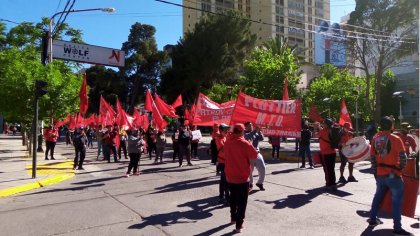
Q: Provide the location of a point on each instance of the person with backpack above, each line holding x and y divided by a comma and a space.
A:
328, 153
79, 142
184, 142
346, 136
388, 159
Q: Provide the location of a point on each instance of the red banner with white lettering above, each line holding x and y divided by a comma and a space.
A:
275, 117
208, 112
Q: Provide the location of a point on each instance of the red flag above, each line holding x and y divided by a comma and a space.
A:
83, 103
178, 102
187, 114
123, 119
106, 112
207, 112
344, 114
148, 102
314, 114
140, 120
164, 108
285, 90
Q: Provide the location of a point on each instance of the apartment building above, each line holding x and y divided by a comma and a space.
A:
292, 19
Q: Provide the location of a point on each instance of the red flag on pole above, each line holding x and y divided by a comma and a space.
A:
148, 102
344, 114
164, 108
106, 112
83, 103
178, 102
314, 114
285, 90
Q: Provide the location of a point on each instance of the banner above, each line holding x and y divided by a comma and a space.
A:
208, 112
275, 117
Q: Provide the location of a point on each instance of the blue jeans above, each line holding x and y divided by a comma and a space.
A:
396, 186
305, 149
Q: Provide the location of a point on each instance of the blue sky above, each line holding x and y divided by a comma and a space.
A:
111, 30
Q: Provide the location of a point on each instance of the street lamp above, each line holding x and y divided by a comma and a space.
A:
328, 101
50, 36
399, 95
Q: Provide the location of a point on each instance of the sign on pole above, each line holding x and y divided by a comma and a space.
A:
87, 53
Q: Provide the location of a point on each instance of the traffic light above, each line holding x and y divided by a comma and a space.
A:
40, 88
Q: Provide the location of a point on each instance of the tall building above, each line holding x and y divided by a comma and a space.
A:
292, 19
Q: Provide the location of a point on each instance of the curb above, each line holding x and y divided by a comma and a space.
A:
37, 184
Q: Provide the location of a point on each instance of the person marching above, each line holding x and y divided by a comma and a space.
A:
255, 136
99, 139
122, 135
328, 154
346, 136
184, 140
109, 140
135, 148
50, 136
151, 140
194, 145
79, 142
220, 140
90, 133
305, 145
239, 152
408, 140
175, 145
388, 159
160, 145
274, 140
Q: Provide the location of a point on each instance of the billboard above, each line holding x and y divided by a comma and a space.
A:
87, 53
330, 44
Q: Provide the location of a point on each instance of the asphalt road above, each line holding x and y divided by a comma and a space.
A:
168, 200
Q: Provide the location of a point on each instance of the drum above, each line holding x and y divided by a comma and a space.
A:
356, 149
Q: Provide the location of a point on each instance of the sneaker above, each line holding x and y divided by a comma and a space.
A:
260, 186
302, 166
127, 175
311, 166
239, 230
351, 179
180, 165
52, 158
342, 180
80, 168
401, 232
190, 164
136, 173
373, 223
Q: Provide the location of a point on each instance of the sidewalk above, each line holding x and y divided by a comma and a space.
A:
16, 168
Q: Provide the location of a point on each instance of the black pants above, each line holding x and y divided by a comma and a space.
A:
276, 148
150, 148
175, 146
238, 202
123, 147
328, 163
184, 150
213, 151
223, 185
79, 157
50, 148
134, 162
194, 148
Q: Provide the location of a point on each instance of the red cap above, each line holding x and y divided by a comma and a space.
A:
186, 122
239, 127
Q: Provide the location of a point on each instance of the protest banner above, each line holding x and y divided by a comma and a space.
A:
208, 112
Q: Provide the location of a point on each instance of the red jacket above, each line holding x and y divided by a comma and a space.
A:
238, 152
51, 135
379, 150
109, 137
220, 143
324, 142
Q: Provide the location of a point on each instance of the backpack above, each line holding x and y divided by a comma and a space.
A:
336, 132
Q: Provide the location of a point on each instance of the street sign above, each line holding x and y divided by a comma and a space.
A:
88, 53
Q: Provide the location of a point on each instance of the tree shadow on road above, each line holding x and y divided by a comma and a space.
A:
99, 180
185, 185
65, 189
200, 209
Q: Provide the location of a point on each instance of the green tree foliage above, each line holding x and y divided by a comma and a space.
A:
266, 70
337, 85
395, 24
212, 53
21, 66
388, 88
106, 83
143, 61
221, 93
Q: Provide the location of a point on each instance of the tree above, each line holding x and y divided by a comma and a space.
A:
212, 53
336, 85
391, 38
143, 61
267, 68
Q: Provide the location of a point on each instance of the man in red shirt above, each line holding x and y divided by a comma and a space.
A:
238, 153
220, 139
347, 135
408, 140
328, 154
388, 159
109, 140
50, 136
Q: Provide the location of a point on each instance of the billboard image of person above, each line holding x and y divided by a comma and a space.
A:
329, 44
